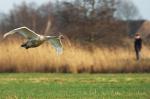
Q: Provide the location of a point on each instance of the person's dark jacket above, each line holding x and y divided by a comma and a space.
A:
138, 44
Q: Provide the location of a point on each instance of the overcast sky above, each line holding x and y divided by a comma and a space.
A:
142, 5
144, 8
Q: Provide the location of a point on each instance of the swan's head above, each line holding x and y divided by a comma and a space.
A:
61, 37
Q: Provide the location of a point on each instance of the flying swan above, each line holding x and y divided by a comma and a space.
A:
35, 40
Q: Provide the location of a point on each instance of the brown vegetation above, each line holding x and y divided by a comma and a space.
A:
99, 40
83, 21
75, 59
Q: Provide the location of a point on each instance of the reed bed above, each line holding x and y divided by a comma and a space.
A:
75, 59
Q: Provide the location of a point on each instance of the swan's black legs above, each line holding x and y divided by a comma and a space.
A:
24, 45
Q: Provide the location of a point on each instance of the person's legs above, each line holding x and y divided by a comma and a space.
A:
137, 53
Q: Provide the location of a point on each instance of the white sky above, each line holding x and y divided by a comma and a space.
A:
142, 5
144, 8
6, 5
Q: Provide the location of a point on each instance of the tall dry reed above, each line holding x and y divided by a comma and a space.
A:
75, 59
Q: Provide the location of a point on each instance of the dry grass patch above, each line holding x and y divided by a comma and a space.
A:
75, 59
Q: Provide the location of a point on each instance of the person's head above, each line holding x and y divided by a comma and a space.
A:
137, 34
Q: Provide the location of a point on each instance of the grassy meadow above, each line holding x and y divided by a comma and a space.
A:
74, 86
53, 83
75, 59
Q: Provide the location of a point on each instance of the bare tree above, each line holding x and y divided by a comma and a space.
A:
80, 20
127, 11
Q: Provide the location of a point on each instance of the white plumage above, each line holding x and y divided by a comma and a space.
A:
35, 40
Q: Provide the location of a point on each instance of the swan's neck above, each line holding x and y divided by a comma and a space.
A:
50, 37
42, 38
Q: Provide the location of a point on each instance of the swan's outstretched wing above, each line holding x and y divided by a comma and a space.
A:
24, 31
56, 43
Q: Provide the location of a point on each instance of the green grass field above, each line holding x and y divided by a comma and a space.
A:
74, 86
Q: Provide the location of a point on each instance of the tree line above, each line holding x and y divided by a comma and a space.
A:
80, 20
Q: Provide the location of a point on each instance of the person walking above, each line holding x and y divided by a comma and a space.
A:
138, 45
